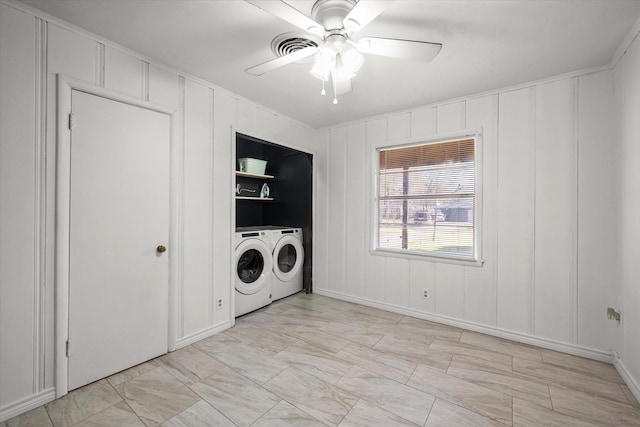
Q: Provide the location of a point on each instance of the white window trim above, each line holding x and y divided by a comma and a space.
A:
478, 172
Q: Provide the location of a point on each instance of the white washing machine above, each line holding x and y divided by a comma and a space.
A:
254, 269
288, 261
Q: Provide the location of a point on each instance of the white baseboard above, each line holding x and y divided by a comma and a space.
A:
626, 376
202, 334
602, 356
26, 404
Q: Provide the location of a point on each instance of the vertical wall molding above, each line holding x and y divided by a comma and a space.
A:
212, 276
532, 194
366, 194
463, 114
495, 108
180, 226
39, 203
345, 209
575, 114
411, 114
327, 208
463, 124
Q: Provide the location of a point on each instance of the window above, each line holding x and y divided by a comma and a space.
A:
426, 199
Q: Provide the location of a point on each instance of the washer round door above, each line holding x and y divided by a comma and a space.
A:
253, 266
288, 257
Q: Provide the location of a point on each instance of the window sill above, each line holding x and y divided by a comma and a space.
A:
425, 257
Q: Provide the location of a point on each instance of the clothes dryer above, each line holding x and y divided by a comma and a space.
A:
254, 270
288, 261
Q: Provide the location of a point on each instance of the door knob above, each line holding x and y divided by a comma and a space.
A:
161, 249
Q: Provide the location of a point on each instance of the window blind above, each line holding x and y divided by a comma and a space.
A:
426, 198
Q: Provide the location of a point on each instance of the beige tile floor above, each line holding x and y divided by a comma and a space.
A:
309, 360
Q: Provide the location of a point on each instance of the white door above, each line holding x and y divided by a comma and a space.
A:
119, 216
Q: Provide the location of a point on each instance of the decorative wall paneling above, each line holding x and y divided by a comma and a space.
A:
375, 267
225, 113
480, 284
355, 204
122, 72
19, 221
321, 211
598, 194
197, 291
626, 186
337, 199
530, 287
516, 157
34, 48
556, 213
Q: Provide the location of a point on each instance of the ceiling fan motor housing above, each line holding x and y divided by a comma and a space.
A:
335, 41
331, 13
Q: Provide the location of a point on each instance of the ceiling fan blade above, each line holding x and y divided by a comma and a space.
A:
403, 49
343, 86
288, 13
364, 12
260, 69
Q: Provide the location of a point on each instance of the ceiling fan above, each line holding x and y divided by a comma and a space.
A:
338, 56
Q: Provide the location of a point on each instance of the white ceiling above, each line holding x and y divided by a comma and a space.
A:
487, 45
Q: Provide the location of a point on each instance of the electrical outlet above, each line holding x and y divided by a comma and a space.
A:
425, 294
219, 304
612, 314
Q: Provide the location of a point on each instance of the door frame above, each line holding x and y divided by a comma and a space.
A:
65, 87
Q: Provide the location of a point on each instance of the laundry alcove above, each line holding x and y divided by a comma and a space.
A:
291, 189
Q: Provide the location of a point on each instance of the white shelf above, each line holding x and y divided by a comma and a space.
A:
253, 198
253, 175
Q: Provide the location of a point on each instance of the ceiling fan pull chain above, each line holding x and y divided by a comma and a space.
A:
323, 92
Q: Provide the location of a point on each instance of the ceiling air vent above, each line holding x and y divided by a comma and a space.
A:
287, 43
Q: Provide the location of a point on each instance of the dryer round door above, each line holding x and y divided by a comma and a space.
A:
253, 266
288, 257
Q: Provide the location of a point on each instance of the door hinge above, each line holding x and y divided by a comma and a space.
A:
68, 349
72, 121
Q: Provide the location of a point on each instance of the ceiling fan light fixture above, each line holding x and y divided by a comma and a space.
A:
342, 71
324, 62
351, 57
326, 57
335, 55
320, 73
